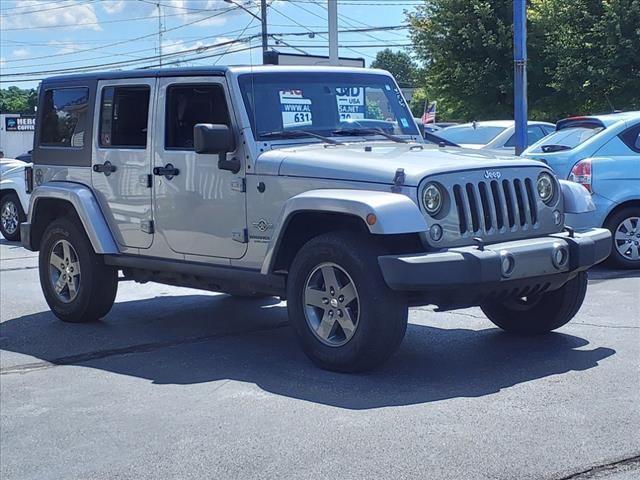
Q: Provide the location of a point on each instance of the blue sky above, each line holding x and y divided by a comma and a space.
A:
41, 36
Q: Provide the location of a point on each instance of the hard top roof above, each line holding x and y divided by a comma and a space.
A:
202, 71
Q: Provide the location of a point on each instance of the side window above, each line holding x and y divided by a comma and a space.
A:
188, 105
64, 117
533, 135
123, 117
631, 138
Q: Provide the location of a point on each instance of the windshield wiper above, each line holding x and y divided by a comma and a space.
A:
554, 148
355, 132
299, 134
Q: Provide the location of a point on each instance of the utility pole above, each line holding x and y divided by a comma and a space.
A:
262, 19
159, 34
520, 73
265, 36
332, 9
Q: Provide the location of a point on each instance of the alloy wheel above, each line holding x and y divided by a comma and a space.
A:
627, 238
64, 271
331, 304
10, 218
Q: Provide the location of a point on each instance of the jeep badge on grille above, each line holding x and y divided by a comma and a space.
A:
492, 174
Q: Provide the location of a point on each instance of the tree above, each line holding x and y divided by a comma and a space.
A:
400, 64
17, 100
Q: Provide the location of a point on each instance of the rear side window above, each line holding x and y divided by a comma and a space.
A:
631, 138
124, 112
188, 105
64, 117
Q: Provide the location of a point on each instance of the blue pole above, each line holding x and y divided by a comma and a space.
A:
520, 72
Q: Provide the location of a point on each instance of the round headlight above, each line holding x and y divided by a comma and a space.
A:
546, 187
432, 199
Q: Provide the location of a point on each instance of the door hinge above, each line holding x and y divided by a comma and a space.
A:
241, 236
239, 185
147, 226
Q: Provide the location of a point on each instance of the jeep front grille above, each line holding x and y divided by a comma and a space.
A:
494, 206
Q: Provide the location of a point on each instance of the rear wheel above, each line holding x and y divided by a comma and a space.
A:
76, 283
345, 316
11, 214
625, 229
540, 313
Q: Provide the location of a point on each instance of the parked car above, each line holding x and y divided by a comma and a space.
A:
25, 157
14, 196
602, 153
495, 135
243, 180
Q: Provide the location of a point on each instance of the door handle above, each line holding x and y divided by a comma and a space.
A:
168, 171
107, 168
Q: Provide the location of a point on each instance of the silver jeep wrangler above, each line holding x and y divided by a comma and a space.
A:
308, 183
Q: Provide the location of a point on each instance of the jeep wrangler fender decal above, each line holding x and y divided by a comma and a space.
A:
87, 208
395, 213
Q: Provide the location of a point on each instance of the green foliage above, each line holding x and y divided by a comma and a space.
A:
374, 111
584, 56
400, 64
17, 100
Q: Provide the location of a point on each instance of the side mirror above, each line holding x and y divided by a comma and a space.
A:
208, 138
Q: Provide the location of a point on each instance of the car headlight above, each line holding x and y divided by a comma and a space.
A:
432, 199
546, 187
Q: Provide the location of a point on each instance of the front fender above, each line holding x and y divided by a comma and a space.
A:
576, 198
395, 213
86, 206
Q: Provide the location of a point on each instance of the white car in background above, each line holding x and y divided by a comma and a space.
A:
495, 135
14, 196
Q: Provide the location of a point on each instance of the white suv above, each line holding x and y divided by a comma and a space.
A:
14, 196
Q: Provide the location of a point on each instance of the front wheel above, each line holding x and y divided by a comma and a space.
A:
345, 316
539, 313
625, 230
76, 283
11, 214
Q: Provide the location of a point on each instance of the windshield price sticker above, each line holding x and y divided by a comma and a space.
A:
351, 103
296, 110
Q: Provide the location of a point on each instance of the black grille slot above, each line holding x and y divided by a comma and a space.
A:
533, 206
509, 203
498, 203
486, 206
517, 185
462, 221
473, 206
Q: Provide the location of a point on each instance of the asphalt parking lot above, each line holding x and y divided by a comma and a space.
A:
177, 383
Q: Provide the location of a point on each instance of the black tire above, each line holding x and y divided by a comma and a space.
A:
615, 223
540, 313
10, 205
380, 313
97, 284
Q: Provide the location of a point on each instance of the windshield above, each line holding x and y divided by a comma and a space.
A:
471, 136
565, 139
323, 103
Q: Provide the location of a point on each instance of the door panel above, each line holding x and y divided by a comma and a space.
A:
201, 210
122, 158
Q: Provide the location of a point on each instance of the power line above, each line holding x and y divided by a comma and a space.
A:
68, 5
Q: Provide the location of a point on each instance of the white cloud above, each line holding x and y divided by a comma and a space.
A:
75, 16
20, 53
113, 6
66, 46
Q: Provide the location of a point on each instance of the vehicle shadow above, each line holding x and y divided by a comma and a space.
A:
196, 338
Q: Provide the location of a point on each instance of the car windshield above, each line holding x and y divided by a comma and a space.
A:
565, 139
324, 103
481, 135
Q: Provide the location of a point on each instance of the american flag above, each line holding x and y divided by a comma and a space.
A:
429, 114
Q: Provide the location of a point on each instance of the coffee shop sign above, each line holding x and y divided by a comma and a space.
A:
20, 124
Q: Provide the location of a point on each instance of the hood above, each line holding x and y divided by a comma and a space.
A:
377, 162
11, 165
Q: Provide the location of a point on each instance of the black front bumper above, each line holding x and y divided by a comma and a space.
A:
462, 275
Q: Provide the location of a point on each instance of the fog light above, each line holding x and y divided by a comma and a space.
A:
435, 232
508, 263
560, 257
557, 217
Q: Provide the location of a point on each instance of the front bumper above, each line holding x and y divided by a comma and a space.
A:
545, 263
